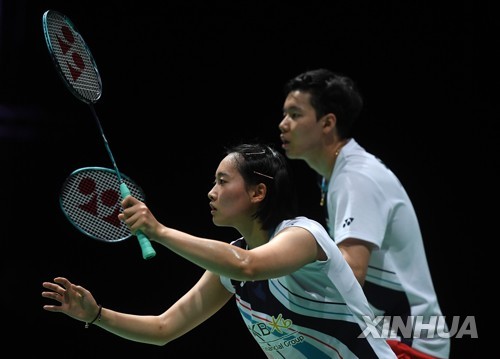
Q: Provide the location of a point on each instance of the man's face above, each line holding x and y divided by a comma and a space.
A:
301, 133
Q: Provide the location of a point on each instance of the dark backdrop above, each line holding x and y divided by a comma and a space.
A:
181, 82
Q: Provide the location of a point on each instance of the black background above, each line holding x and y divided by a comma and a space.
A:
181, 81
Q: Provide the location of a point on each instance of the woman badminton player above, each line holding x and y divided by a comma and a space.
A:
295, 292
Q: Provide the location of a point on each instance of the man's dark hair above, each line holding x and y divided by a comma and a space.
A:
330, 93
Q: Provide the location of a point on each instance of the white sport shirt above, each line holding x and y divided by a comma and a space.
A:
366, 201
316, 312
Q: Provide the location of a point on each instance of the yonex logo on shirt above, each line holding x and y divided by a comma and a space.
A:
347, 222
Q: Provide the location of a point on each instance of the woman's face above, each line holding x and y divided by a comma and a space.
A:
230, 201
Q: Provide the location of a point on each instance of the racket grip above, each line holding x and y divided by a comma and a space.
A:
146, 247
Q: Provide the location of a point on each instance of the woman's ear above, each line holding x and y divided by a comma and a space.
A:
259, 193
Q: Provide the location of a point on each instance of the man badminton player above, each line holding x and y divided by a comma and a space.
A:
368, 212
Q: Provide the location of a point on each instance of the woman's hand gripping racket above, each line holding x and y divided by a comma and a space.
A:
76, 66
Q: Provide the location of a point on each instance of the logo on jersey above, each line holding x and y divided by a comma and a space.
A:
276, 334
347, 222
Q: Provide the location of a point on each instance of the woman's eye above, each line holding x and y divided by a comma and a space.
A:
219, 181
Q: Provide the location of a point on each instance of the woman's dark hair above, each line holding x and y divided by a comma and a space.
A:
330, 93
258, 163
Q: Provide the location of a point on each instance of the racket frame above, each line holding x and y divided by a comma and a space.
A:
55, 60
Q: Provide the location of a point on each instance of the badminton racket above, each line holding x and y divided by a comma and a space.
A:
90, 200
76, 66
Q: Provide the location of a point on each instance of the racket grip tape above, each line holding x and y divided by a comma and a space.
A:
146, 247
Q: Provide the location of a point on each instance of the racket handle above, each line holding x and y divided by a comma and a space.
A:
146, 247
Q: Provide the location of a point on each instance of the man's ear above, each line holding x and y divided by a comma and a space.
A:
329, 121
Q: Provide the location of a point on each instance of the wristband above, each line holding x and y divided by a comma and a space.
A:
97, 317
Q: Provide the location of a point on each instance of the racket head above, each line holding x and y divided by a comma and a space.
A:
90, 199
71, 57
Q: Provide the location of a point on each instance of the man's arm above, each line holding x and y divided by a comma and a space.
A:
357, 254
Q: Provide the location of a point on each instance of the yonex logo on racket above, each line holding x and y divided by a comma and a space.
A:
107, 197
72, 57
66, 42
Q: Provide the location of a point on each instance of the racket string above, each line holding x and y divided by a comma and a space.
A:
91, 201
73, 57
